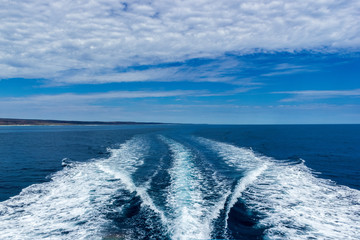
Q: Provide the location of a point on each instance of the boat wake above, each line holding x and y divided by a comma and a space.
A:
290, 201
189, 188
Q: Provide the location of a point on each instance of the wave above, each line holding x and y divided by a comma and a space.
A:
290, 201
73, 204
187, 194
192, 216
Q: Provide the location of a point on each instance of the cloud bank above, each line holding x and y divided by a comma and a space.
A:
94, 97
318, 94
42, 39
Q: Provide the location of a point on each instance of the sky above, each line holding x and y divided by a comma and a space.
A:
181, 61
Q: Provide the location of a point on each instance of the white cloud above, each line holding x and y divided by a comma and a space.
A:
74, 98
91, 107
318, 94
56, 99
115, 105
82, 106
45, 38
223, 69
288, 69
90, 76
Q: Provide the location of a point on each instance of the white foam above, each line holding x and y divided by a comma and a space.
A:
185, 197
293, 203
72, 205
191, 216
243, 183
141, 191
240, 158
300, 206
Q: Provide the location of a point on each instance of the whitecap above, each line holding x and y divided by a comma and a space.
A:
73, 204
191, 215
291, 201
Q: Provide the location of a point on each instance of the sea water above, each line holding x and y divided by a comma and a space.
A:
180, 182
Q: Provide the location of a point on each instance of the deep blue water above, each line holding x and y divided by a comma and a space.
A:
180, 182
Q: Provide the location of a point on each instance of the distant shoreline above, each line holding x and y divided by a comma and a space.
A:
41, 122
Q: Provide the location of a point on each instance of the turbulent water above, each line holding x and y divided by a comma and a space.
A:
164, 185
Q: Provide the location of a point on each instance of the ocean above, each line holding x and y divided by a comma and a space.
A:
180, 182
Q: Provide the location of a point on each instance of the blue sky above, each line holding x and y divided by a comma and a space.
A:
248, 62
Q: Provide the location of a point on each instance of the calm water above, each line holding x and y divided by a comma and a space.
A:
180, 182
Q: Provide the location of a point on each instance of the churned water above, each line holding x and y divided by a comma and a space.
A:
180, 182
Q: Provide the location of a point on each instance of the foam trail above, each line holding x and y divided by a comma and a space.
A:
73, 204
191, 215
292, 202
141, 191
124, 169
243, 160
243, 183
300, 206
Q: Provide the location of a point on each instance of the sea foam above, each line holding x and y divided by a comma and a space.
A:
291, 201
192, 215
73, 204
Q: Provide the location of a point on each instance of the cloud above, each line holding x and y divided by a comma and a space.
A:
115, 105
43, 39
287, 69
82, 106
89, 76
95, 107
318, 94
74, 98
247, 70
222, 69
94, 97
103, 102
